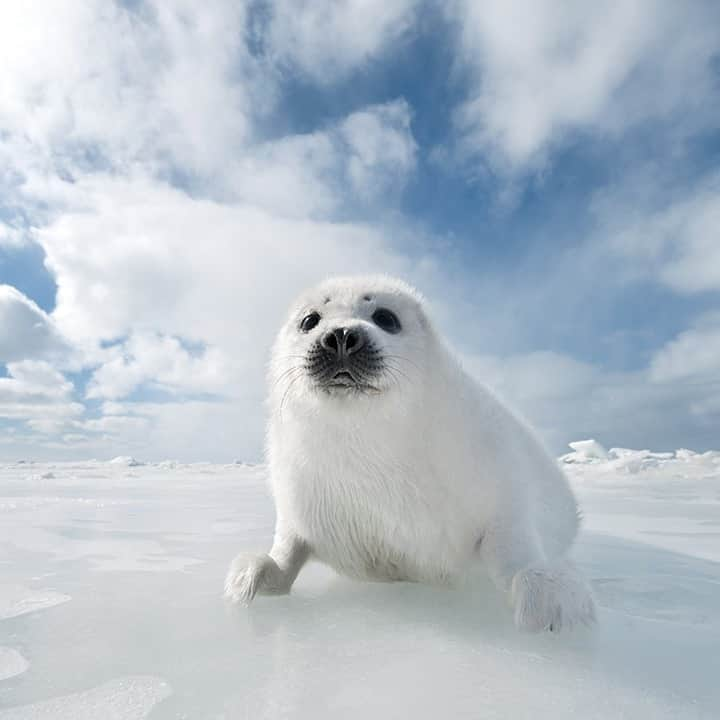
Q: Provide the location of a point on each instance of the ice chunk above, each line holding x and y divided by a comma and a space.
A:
589, 449
126, 460
633, 461
42, 476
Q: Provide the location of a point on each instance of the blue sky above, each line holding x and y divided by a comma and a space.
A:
546, 174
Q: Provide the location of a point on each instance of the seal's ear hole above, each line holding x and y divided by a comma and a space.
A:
367, 298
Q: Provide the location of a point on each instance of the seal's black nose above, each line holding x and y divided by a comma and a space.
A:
343, 341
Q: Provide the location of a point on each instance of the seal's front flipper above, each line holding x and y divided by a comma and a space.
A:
250, 574
271, 574
551, 597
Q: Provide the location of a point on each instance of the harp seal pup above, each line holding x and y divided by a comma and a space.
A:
387, 461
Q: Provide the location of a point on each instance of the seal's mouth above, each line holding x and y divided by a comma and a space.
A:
359, 372
344, 377
344, 380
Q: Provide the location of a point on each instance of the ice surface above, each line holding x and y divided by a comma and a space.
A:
128, 698
110, 598
18, 600
11, 663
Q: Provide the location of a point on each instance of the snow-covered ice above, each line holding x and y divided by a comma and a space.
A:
110, 606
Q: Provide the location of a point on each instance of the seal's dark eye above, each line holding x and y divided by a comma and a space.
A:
310, 321
386, 320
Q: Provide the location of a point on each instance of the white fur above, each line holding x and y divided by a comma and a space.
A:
416, 482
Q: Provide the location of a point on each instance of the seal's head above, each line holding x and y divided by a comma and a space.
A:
350, 338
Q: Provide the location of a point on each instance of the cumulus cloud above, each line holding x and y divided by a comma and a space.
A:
566, 399
652, 230
163, 363
10, 236
175, 88
191, 268
544, 70
326, 39
140, 144
174, 274
381, 149
669, 234
108, 111
348, 166
123, 425
694, 355
34, 390
92, 82
197, 429
550, 389
26, 331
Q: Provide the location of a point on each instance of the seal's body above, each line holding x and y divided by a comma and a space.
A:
388, 462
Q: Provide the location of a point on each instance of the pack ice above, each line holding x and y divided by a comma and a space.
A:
110, 605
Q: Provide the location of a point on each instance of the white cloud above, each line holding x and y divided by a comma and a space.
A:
326, 39
670, 235
26, 331
35, 391
88, 82
102, 104
196, 269
34, 378
163, 363
10, 236
381, 149
550, 389
182, 291
196, 430
172, 270
543, 69
694, 355
361, 160
174, 88
648, 229
295, 177
122, 425
536, 376
566, 399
